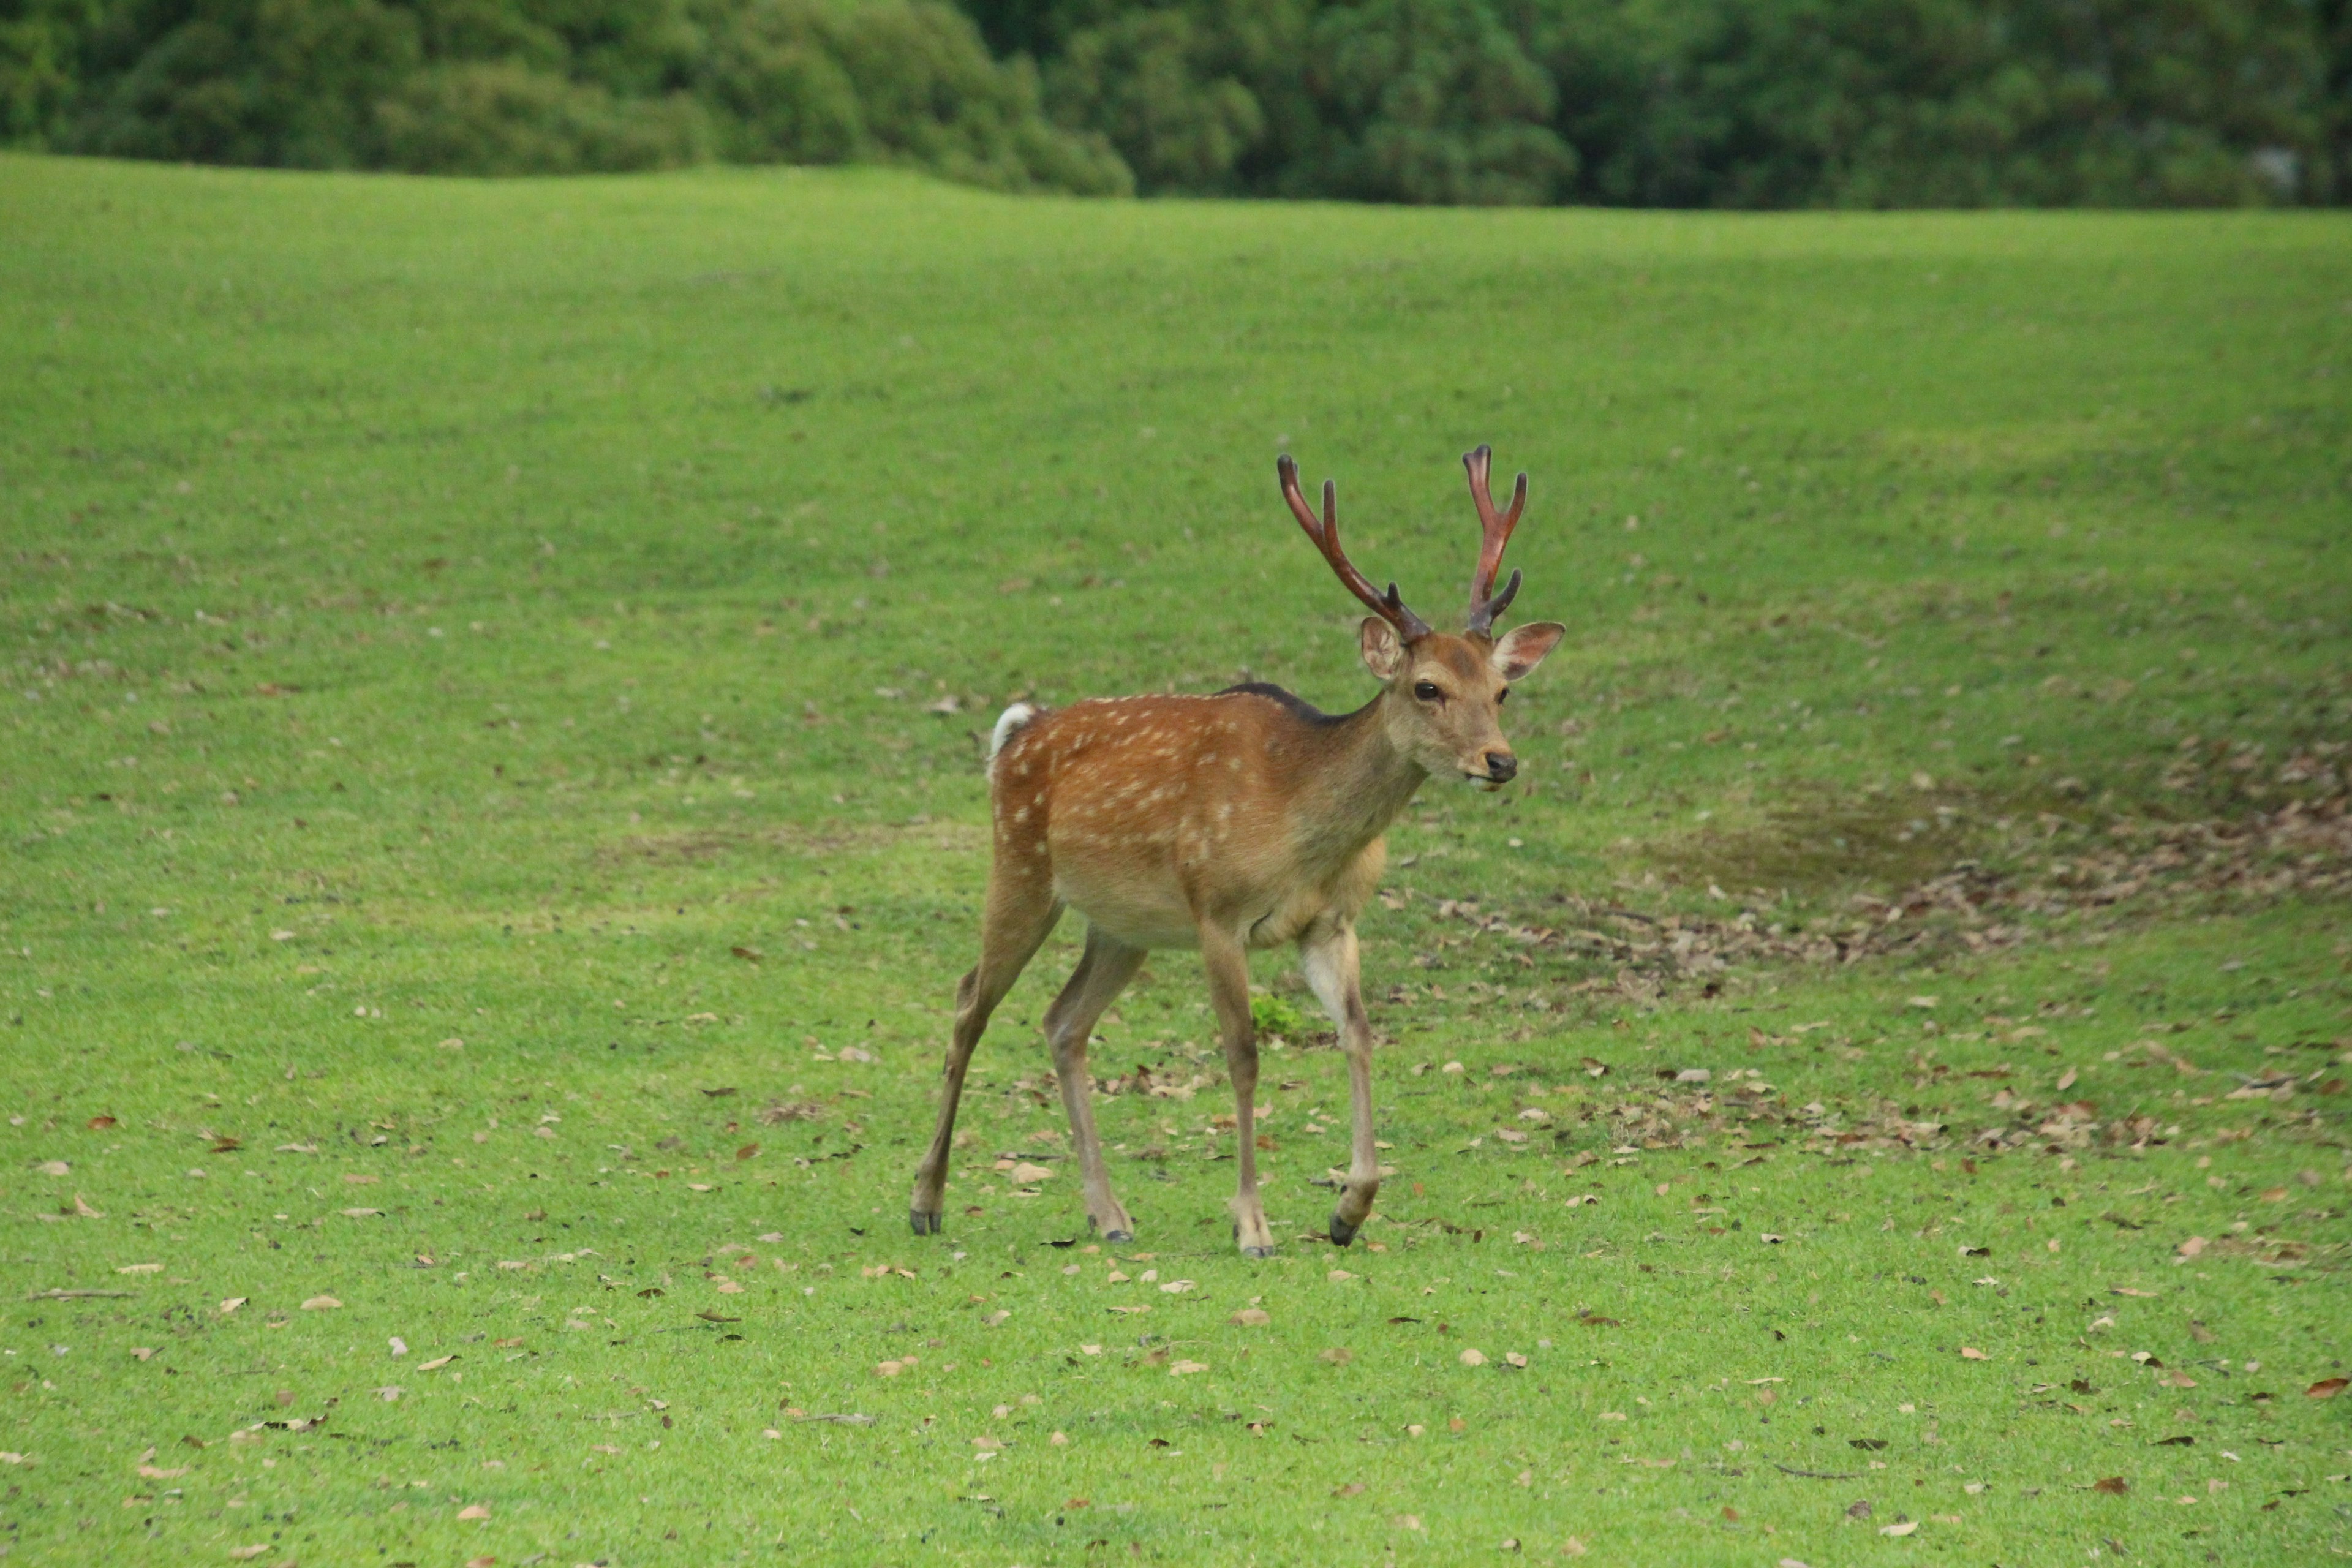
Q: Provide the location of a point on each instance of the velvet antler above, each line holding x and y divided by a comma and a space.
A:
1325, 531
1496, 529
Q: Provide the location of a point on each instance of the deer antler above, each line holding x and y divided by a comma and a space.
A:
1485, 603
1325, 532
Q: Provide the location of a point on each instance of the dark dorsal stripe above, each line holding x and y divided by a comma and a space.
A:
1297, 706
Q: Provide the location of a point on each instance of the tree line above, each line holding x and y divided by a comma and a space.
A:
1698, 104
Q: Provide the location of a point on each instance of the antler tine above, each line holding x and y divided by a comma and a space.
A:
1495, 529
1325, 532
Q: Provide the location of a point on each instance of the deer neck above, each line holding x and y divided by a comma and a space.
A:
1361, 781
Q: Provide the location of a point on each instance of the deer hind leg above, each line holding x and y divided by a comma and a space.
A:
1102, 973
1328, 954
1020, 916
1228, 968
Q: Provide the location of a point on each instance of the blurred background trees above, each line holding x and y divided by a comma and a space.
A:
1738, 103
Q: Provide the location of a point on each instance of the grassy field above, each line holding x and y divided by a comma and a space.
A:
490, 707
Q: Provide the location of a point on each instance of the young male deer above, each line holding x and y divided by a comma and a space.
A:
1224, 822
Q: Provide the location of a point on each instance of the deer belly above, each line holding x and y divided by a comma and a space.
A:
1135, 911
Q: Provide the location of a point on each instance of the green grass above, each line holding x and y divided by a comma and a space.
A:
442, 613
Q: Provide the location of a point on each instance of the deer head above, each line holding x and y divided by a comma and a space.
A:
1442, 706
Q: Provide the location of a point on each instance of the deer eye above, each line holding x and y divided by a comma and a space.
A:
1426, 690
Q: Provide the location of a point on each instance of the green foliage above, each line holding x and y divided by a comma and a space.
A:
1729, 104
1273, 1015
1434, 101
501, 86
1712, 103
504, 118
1157, 86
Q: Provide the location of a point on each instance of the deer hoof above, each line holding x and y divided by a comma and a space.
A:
1257, 1252
1341, 1232
925, 1222
1119, 1235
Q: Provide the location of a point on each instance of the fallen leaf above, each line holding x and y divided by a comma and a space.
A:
474, 1510
241, 1552
1026, 1173
2114, 1486
436, 1363
1472, 1358
140, 1268
1969, 1352
1186, 1368
53, 1168
1249, 1318
320, 1304
142, 1351
1906, 1528
101, 1123
1339, 1355
2192, 1247
156, 1473
2326, 1388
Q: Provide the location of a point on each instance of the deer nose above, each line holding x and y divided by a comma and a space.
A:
1501, 767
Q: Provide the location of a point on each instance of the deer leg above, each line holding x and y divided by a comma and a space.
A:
1228, 967
1019, 919
1101, 974
1328, 954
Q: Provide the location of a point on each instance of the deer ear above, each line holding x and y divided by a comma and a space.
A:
1520, 649
1383, 653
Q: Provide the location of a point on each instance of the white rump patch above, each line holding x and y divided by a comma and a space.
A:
1008, 724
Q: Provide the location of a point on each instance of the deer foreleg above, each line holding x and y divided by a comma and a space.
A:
1327, 955
1228, 969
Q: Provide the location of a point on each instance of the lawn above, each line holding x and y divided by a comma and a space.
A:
494, 683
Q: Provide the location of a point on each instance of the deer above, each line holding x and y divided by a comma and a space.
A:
1244, 819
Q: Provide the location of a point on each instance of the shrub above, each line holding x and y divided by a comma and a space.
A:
508, 119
